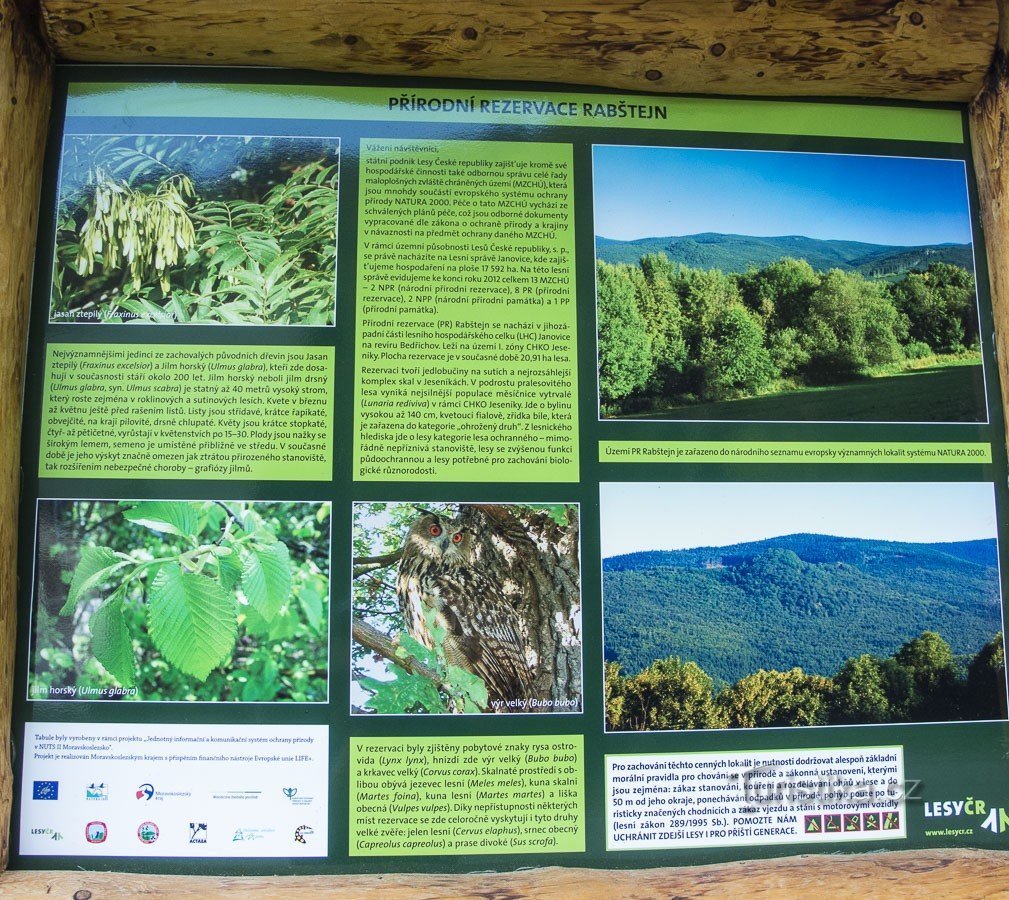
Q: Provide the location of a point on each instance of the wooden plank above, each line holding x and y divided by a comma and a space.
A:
26, 77
988, 124
953, 873
915, 49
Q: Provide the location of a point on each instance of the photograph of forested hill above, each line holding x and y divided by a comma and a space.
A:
803, 627
849, 296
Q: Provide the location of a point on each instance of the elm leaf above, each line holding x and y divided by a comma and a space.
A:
192, 620
111, 643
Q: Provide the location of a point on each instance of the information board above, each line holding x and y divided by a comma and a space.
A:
430, 478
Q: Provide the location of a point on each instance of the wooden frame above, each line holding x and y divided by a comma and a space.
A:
926, 50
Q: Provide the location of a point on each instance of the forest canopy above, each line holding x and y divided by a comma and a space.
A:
781, 602
670, 335
921, 682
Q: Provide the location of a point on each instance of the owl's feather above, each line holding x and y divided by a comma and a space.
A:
483, 633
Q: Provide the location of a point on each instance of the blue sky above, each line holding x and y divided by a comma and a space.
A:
677, 516
659, 191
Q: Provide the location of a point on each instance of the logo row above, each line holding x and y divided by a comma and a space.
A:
849, 822
97, 832
50, 790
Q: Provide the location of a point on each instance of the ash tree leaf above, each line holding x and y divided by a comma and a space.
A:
192, 620
95, 566
167, 516
233, 313
176, 307
266, 577
111, 643
143, 308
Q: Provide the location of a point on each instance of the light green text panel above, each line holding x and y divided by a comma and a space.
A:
516, 107
791, 452
449, 796
466, 333
184, 411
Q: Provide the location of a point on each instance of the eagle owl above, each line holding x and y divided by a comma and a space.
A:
482, 632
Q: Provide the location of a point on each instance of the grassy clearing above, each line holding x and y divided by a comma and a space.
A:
952, 391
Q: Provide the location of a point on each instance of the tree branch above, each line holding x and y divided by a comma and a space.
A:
87, 529
369, 636
365, 564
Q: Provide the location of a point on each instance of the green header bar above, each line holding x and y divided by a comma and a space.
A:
791, 452
515, 107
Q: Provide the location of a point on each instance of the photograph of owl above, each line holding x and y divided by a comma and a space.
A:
483, 634
466, 608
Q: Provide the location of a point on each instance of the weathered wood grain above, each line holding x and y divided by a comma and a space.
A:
918, 49
950, 873
989, 128
25, 93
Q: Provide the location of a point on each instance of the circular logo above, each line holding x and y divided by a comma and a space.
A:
96, 832
148, 832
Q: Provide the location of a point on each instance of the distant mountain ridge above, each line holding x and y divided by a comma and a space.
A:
740, 252
806, 600
814, 548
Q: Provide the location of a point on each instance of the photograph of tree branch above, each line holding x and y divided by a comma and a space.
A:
466, 608
181, 600
774, 286
791, 604
177, 229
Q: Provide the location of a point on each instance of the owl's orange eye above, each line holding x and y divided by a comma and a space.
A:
435, 530
457, 537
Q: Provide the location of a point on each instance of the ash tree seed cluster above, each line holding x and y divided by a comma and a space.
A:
176, 229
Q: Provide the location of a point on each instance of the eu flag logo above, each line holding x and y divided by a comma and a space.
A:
45, 790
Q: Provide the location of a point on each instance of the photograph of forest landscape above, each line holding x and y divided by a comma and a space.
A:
181, 600
466, 608
780, 605
772, 286
160, 228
